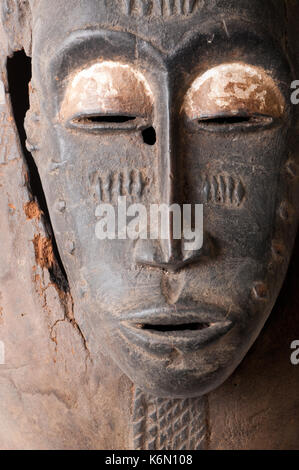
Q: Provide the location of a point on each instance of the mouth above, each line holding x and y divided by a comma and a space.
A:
186, 329
173, 329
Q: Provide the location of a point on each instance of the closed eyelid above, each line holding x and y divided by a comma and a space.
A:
107, 88
231, 89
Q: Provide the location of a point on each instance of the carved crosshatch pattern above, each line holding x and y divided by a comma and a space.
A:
163, 424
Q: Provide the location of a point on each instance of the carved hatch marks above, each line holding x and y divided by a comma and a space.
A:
222, 189
162, 8
130, 183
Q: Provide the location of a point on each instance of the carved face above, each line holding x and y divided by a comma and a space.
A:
182, 103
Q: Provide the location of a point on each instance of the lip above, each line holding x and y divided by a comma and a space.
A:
192, 328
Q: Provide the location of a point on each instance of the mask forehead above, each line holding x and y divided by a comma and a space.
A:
164, 23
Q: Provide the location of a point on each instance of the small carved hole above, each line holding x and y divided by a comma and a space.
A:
149, 136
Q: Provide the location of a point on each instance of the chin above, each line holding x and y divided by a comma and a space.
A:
180, 383
172, 373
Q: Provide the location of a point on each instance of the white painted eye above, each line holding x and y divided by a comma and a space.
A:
107, 95
231, 96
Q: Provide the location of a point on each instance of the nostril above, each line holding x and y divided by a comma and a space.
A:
149, 136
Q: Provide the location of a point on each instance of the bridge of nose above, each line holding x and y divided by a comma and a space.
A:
167, 253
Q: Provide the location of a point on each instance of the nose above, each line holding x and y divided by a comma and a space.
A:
167, 253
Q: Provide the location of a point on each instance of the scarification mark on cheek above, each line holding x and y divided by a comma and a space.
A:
134, 184
222, 189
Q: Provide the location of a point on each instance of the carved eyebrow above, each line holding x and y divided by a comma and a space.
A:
93, 43
229, 33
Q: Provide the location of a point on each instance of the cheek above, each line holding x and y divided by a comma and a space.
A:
83, 171
109, 166
240, 180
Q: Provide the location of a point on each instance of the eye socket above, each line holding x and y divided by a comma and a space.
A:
106, 119
108, 122
227, 122
107, 96
231, 98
